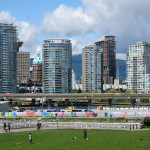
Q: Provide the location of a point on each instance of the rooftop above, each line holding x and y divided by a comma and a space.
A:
37, 59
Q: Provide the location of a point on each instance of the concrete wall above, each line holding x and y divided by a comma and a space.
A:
4, 106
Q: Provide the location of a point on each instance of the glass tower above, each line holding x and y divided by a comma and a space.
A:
92, 68
8, 57
138, 67
57, 66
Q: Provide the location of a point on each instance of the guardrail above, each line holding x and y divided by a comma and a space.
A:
79, 96
75, 125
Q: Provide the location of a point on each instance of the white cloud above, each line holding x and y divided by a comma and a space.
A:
121, 56
5, 15
66, 21
128, 20
80, 43
38, 49
26, 32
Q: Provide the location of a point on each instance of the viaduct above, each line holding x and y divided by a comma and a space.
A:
66, 97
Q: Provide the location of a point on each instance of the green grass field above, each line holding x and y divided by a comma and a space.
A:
63, 140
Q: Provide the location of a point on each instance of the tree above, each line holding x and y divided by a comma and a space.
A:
113, 91
128, 91
79, 91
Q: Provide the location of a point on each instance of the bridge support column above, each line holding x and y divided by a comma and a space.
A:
10, 102
67, 102
39, 103
49, 102
33, 102
109, 102
89, 102
133, 101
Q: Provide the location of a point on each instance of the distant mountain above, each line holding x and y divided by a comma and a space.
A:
122, 69
77, 67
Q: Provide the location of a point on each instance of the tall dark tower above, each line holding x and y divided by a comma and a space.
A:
108, 46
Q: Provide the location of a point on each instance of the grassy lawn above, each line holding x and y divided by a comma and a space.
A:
62, 140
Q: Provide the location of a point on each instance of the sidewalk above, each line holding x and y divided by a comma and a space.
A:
18, 130
49, 128
26, 129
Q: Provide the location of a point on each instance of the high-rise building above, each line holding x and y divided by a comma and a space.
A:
37, 70
108, 45
23, 67
9, 46
138, 67
57, 66
92, 68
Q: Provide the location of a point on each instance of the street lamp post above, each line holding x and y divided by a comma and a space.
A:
56, 105
57, 114
42, 105
92, 98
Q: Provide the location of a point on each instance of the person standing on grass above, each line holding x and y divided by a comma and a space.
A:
9, 127
30, 138
38, 126
4, 125
85, 133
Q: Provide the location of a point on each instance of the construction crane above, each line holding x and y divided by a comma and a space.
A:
74, 48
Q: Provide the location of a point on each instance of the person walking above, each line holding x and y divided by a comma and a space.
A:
9, 127
85, 133
5, 126
130, 127
30, 138
38, 126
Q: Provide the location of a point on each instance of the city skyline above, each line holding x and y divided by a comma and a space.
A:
81, 21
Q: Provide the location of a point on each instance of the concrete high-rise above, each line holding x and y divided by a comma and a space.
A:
37, 70
23, 67
108, 45
92, 68
9, 46
57, 66
138, 67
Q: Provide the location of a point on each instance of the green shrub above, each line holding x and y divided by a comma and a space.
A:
142, 126
147, 121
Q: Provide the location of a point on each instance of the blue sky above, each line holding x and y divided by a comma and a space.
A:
82, 21
33, 10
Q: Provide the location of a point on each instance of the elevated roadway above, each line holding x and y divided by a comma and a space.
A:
78, 96
67, 97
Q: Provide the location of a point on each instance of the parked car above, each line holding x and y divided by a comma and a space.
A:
76, 110
22, 109
94, 114
70, 108
88, 110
